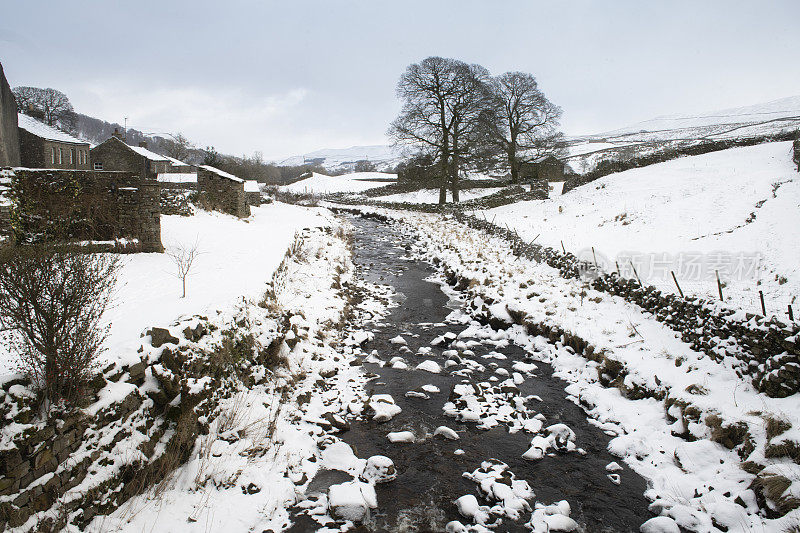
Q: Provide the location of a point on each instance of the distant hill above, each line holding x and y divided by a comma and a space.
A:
338, 159
770, 120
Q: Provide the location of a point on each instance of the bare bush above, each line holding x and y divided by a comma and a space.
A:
52, 299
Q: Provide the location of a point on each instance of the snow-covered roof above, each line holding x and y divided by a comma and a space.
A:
177, 177
222, 173
152, 156
176, 162
40, 129
251, 186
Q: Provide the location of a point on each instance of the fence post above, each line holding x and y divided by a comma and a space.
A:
719, 286
562, 248
676, 282
763, 308
636, 274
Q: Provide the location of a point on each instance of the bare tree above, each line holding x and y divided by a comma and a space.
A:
469, 99
364, 165
522, 122
424, 121
183, 257
179, 147
442, 99
52, 298
51, 105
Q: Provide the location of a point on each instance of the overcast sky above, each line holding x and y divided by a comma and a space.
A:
291, 77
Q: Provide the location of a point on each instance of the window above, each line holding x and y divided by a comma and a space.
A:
98, 165
52, 155
72, 156
60, 155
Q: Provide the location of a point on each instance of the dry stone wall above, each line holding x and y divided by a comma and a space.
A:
764, 350
86, 204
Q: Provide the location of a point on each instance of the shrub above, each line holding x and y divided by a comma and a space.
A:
52, 298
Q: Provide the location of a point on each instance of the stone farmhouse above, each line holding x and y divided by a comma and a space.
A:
115, 154
222, 191
43, 146
548, 169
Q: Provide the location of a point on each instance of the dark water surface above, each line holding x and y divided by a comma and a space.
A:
429, 474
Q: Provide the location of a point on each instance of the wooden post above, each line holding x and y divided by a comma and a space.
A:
636, 274
676, 282
617, 263
595, 258
719, 286
791, 315
562, 248
763, 308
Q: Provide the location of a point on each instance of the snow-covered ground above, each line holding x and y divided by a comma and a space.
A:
245, 477
237, 258
736, 211
431, 196
355, 182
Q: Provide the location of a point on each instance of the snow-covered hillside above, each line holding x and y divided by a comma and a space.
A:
785, 108
736, 211
355, 182
382, 155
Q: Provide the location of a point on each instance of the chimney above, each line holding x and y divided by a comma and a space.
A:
142, 144
117, 134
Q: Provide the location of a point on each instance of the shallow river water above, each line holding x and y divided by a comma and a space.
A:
429, 473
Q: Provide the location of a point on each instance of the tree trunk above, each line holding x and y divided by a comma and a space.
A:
512, 159
454, 174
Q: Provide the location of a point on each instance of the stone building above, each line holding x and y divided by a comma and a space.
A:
549, 169
90, 205
43, 146
252, 192
177, 166
222, 191
115, 154
9, 136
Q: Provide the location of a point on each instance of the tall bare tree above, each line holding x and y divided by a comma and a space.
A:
521, 121
51, 105
471, 96
424, 120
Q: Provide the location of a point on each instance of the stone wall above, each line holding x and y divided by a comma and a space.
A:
9, 138
88, 205
222, 194
253, 198
796, 153
764, 350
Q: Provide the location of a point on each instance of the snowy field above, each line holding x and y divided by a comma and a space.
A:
736, 211
237, 258
355, 182
431, 196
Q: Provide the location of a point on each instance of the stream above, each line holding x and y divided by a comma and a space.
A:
429, 473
